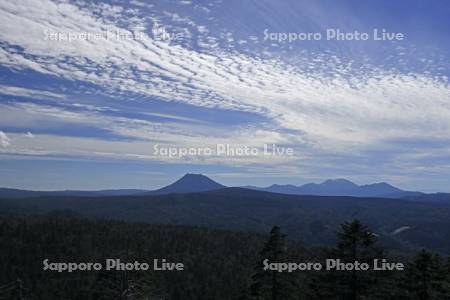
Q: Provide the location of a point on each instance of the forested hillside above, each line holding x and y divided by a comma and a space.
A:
218, 264
400, 224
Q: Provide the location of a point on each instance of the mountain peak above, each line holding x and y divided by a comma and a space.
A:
382, 184
338, 187
193, 175
191, 183
337, 180
340, 184
380, 188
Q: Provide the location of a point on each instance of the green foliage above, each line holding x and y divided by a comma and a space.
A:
218, 264
356, 243
427, 278
267, 284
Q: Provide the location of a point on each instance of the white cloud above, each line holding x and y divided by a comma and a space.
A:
333, 107
29, 93
54, 145
4, 140
141, 136
353, 107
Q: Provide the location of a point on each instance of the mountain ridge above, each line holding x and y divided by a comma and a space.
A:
190, 183
338, 187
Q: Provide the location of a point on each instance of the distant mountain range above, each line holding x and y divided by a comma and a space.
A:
191, 183
313, 217
339, 187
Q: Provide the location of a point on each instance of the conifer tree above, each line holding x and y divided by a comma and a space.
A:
426, 278
356, 243
267, 284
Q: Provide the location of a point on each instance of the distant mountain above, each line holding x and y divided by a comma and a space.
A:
339, 187
189, 183
381, 189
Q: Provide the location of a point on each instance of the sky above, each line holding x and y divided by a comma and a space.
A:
97, 94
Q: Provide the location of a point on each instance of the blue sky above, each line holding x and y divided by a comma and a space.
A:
87, 113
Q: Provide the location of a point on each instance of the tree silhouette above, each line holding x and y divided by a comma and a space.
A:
426, 277
268, 284
356, 243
